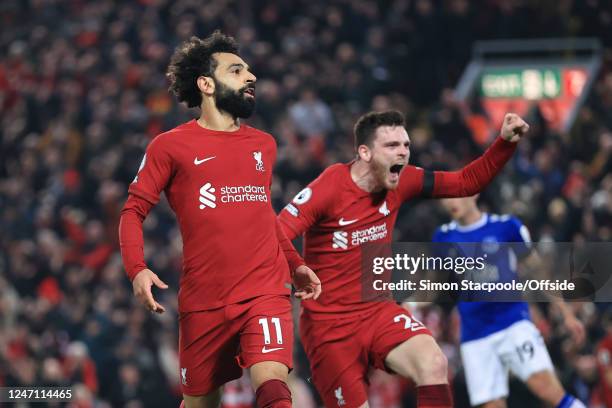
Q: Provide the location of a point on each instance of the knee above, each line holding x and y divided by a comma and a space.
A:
268, 370
546, 386
432, 368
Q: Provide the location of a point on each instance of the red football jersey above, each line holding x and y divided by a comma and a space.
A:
218, 184
337, 217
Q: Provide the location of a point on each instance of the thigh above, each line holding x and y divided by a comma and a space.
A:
338, 361
390, 326
525, 350
267, 331
485, 374
208, 346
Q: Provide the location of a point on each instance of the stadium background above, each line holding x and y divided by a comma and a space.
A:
82, 91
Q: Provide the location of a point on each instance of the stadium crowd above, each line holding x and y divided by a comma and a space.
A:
83, 90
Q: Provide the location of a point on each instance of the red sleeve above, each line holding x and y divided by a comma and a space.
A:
306, 208
131, 239
153, 176
154, 173
474, 177
411, 183
293, 258
468, 181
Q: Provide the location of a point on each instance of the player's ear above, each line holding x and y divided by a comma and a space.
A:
206, 85
364, 153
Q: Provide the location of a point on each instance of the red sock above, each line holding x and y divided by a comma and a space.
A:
273, 394
434, 396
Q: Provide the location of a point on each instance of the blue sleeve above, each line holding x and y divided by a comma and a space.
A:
519, 233
437, 236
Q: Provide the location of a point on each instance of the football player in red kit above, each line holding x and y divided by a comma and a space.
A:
355, 203
234, 290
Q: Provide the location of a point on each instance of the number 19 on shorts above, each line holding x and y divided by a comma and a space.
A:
266, 329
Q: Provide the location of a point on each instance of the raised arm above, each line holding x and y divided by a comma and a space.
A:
474, 177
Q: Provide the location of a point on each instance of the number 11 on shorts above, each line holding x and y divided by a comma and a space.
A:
266, 329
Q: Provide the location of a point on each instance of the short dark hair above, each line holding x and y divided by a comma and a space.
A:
192, 59
366, 125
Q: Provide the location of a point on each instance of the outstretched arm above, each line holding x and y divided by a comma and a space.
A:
471, 179
474, 177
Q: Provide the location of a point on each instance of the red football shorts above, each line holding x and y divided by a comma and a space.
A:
215, 345
341, 351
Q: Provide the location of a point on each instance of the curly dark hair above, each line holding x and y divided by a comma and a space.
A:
366, 125
192, 59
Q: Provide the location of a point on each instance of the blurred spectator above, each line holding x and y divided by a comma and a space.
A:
311, 116
79, 368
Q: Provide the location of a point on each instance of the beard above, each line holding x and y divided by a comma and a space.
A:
234, 102
381, 174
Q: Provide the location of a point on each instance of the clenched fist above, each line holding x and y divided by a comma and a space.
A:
513, 127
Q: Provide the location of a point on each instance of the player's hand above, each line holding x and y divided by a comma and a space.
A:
307, 284
142, 289
513, 127
576, 329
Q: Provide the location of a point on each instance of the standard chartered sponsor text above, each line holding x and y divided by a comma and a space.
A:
374, 233
238, 194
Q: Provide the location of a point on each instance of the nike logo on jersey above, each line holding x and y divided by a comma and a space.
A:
267, 350
198, 162
344, 222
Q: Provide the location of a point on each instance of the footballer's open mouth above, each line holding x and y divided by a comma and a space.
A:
396, 168
250, 92
395, 171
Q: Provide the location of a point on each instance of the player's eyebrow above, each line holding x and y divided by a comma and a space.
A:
397, 143
238, 65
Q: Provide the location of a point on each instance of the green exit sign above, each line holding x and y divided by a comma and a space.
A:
527, 83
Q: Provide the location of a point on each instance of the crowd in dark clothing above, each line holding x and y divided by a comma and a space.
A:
83, 90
